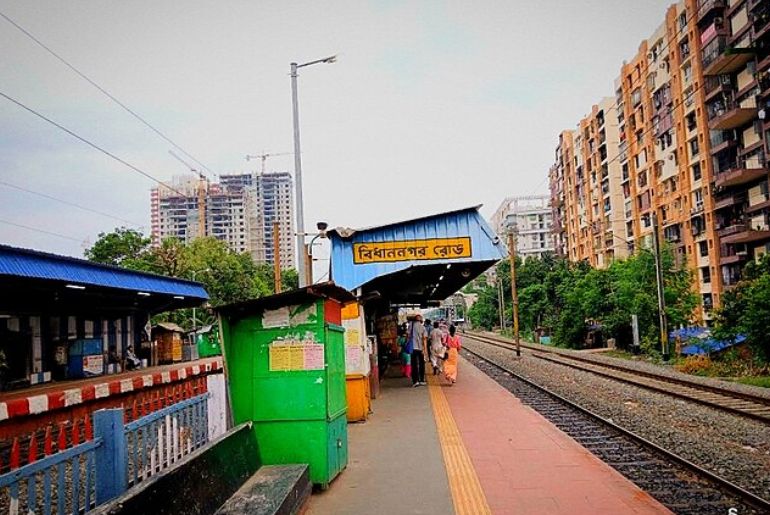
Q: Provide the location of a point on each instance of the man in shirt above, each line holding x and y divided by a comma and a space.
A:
419, 343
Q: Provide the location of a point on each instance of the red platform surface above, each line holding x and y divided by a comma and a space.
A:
526, 465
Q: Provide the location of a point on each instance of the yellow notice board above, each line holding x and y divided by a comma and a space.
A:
307, 356
412, 250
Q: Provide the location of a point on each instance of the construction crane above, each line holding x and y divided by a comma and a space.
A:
264, 157
203, 183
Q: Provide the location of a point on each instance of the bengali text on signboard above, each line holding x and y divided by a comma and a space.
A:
412, 250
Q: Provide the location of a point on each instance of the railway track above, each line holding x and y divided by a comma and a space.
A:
680, 485
757, 408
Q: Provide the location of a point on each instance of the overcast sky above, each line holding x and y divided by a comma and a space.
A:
431, 105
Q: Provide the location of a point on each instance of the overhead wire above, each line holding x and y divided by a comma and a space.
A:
50, 233
69, 203
102, 90
89, 143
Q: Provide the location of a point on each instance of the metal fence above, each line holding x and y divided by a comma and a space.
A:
118, 456
157, 441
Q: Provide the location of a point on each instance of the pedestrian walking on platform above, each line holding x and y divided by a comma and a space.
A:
405, 351
437, 348
419, 343
450, 365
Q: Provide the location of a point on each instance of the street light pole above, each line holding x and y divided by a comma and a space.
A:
298, 169
298, 178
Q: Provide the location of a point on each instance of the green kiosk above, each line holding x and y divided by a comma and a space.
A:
285, 360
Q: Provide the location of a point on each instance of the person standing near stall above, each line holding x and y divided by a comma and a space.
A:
419, 340
450, 365
437, 348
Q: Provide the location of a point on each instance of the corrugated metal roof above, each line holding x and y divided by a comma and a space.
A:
16, 262
467, 222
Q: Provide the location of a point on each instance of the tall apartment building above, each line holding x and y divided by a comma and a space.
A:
665, 162
735, 59
239, 210
586, 191
531, 215
690, 152
276, 201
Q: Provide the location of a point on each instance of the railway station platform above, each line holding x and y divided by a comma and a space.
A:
472, 448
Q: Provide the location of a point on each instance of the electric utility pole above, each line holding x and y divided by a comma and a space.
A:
661, 291
514, 292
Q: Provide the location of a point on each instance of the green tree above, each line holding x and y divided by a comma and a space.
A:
746, 309
122, 247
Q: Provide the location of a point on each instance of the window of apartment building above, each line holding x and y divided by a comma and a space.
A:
665, 140
691, 121
705, 275
696, 173
624, 171
687, 72
684, 49
703, 248
682, 20
697, 199
636, 97
639, 136
694, 147
646, 221
642, 180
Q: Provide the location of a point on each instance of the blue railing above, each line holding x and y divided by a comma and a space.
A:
77, 479
160, 439
60, 483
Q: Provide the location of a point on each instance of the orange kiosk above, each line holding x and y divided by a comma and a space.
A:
357, 363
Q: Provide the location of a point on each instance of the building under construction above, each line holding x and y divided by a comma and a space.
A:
242, 210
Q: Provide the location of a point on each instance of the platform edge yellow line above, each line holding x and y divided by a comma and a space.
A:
467, 495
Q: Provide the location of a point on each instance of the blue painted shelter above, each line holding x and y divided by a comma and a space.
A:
49, 303
419, 261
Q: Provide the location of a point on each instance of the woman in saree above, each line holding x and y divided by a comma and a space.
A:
450, 365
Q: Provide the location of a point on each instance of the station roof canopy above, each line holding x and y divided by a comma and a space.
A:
38, 282
415, 261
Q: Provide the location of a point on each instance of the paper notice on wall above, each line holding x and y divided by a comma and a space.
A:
352, 331
314, 357
296, 357
93, 365
279, 358
275, 318
353, 355
308, 356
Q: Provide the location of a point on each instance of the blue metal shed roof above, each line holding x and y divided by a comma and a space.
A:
25, 263
466, 222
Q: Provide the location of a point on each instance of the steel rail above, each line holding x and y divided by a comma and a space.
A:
760, 410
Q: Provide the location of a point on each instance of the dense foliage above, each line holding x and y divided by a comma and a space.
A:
567, 299
227, 276
746, 308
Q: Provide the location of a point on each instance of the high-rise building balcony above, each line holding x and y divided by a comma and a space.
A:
744, 170
706, 7
722, 140
735, 199
728, 255
717, 85
744, 232
719, 57
729, 113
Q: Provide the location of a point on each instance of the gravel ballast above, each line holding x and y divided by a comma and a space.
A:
645, 366
734, 447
